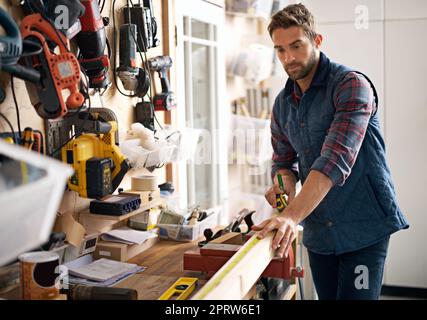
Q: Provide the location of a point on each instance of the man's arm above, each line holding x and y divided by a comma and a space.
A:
284, 157
315, 188
354, 104
285, 160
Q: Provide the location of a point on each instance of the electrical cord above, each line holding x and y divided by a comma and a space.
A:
102, 7
108, 49
144, 62
146, 67
18, 118
10, 125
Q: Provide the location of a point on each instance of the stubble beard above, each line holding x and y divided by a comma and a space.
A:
306, 69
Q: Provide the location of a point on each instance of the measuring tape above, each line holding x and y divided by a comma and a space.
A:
182, 288
221, 274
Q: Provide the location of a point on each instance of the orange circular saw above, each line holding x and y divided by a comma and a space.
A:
59, 69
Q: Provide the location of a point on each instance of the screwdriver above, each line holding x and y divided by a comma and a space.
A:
280, 198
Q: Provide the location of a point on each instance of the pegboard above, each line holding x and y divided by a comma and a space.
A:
57, 131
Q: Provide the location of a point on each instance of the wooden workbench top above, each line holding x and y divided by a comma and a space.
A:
164, 262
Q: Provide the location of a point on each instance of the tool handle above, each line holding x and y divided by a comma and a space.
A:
24, 73
81, 292
164, 81
281, 184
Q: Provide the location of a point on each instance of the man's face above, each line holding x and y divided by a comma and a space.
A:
296, 52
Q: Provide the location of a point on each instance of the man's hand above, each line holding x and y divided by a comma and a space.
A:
315, 188
289, 182
285, 234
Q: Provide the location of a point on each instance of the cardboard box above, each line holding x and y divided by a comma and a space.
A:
146, 196
120, 251
87, 246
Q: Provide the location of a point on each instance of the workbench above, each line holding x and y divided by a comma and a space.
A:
164, 262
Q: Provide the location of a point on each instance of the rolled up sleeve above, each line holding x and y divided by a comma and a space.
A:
354, 104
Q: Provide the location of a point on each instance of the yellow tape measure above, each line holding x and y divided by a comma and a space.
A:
181, 289
235, 260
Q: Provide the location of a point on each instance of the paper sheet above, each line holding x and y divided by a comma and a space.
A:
102, 269
128, 236
86, 260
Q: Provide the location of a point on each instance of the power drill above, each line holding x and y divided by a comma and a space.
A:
165, 100
92, 42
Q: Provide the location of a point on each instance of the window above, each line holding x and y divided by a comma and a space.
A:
201, 99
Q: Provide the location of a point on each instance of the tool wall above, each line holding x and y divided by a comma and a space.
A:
19, 108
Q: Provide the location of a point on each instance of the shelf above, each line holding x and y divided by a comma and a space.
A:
244, 15
86, 213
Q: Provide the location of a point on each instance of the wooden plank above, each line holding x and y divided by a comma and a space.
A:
250, 294
152, 204
235, 279
290, 293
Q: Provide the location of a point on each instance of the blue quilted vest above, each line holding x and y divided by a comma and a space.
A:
364, 210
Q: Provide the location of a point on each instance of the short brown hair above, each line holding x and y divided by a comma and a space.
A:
294, 15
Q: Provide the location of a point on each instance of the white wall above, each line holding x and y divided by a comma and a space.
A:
406, 119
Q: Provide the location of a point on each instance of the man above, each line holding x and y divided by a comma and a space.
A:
325, 132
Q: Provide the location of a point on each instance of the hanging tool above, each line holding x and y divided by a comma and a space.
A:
91, 41
144, 114
140, 34
134, 79
59, 71
11, 48
98, 162
64, 14
165, 100
143, 18
180, 290
281, 203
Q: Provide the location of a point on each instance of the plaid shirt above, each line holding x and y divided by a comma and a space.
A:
354, 105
